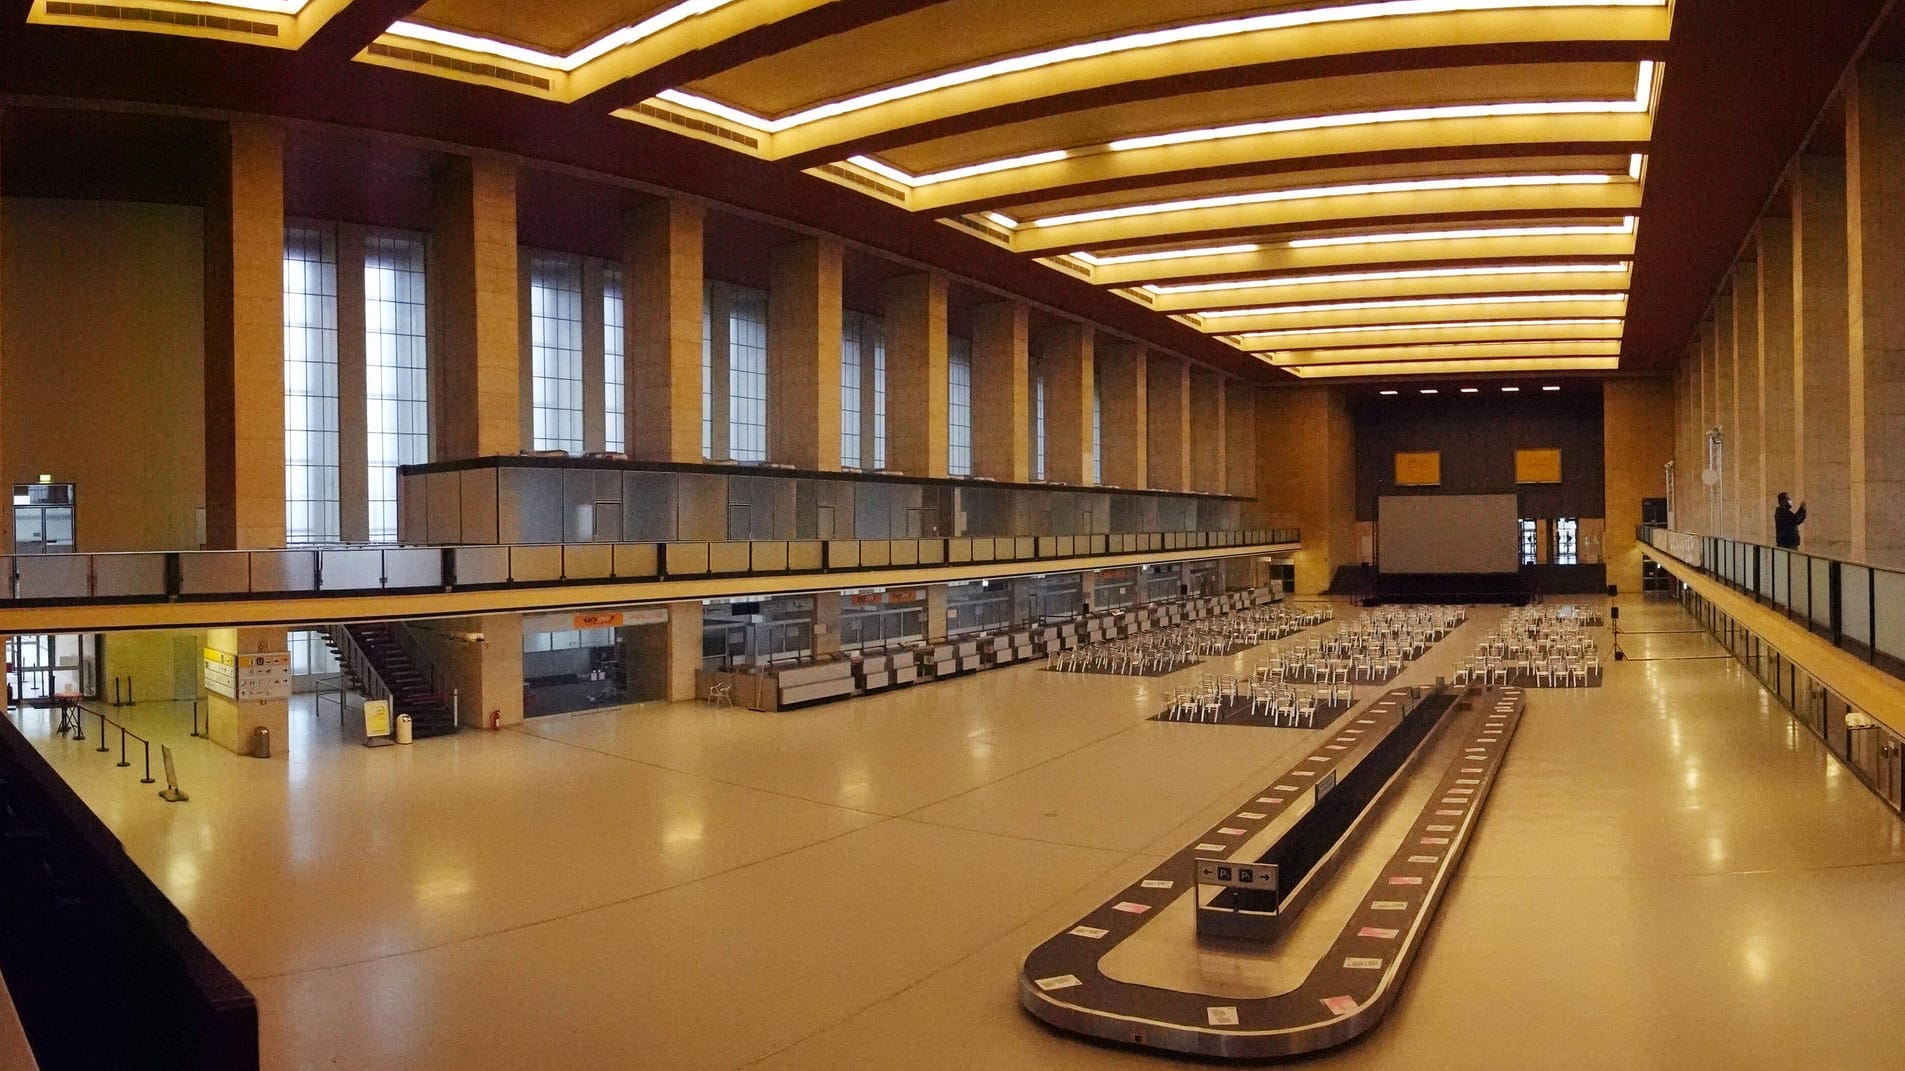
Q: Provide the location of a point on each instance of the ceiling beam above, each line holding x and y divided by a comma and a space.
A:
352, 30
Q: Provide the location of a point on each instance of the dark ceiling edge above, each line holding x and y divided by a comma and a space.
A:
64, 67
1891, 11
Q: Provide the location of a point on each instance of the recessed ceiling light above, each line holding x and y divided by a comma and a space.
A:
1551, 388
1356, 189
1470, 390
1510, 390
1388, 392
1430, 390
1392, 275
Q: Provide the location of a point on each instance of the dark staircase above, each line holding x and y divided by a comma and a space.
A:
409, 685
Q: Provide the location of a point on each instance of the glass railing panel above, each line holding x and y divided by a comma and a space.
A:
637, 560
482, 565
535, 563
351, 570
283, 570
843, 553
804, 556
1889, 599
902, 551
588, 561
1025, 547
930, 552
128, 575
54, 576
1855, 593
958, 551
982, 548
728, 557
686, 559
876, 553
411, 567
1782, 593
769, 556
1821, 610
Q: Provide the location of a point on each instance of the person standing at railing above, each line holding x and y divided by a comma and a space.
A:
1786, 522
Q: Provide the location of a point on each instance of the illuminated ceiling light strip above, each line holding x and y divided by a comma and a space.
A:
1169, 254
1462, 325
1002, 220
1386, 276
1481, 182
1394, 115
1410, 303
952, 174
1635, 162
1175, 35
614, 39
1457, 367
1626, 226
1571, 347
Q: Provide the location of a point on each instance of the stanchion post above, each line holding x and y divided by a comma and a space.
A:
122, 748
147, 779
130, 701
102, 733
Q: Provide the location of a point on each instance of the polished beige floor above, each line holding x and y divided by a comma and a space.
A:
1669, 874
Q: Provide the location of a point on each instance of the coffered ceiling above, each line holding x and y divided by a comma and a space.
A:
1370, 188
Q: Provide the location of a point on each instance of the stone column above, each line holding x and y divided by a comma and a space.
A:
1122, 391
230, 721
1777, 449
826, 622
916, 386
1207, 431
720, 301
1821, 369
1316, 492
661, 332
1067, 357
935, 622
1875, 279
684, 648
1168, 395
1240, 440
1636, 446
244, 341
595, 415
803, 354
1747, 442
474, 307
353, 417
1001, 392
1724, 408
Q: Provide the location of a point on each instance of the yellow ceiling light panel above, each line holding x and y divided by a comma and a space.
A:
1414, 311
1626, 226
1588, 192
1284, 257
1390, 275
1421, 334
1448, 351
272, 23
1434, 289
1457, 368
674, 30
1315, 31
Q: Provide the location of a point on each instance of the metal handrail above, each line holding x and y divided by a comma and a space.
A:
124, 733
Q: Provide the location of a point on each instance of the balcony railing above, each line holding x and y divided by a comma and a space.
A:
155, 576
1859, 607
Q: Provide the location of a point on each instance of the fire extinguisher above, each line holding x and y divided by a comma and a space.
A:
495, 720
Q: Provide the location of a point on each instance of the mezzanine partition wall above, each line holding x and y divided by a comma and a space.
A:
573, 500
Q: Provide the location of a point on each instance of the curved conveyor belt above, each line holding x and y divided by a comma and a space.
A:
1346, 991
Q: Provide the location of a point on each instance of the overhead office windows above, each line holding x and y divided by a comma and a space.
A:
396, 370
747, 376
614, 363
862, 391
707, 369
877, 329
1038, 422
959, 407
311, 499
555, 340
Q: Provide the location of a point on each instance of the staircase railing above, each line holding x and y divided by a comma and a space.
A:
427, 666
357, 663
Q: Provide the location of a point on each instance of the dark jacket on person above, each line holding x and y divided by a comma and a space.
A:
1786, 522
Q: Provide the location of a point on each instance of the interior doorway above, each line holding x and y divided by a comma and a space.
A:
45, 518
41, 666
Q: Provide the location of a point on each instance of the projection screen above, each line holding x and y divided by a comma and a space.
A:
1447, 534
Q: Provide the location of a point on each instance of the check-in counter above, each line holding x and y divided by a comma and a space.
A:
996, 650
1046, 638
967, 658
771, 688
904, 665
937, 661
1024, 646
872, 672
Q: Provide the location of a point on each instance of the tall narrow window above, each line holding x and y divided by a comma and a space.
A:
1038, 425
396, 370
877, 330
614, 369
1097, 432
1567, 531
1529, 543
555, 345
707, 369
310, 385
747, 376
959, 407
850, 391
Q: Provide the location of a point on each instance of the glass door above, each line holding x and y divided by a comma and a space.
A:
44, 519
40, 667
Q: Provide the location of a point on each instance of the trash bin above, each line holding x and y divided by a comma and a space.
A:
403, 728
260, 742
